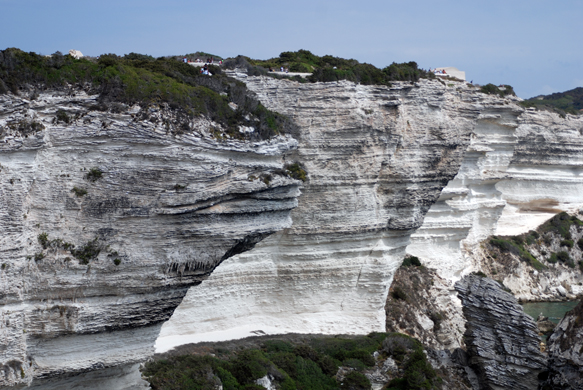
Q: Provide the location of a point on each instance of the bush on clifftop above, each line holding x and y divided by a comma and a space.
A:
143, 80
330, 68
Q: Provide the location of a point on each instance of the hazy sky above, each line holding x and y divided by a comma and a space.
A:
534, 45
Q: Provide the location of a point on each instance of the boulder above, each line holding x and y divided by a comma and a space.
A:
502, 341
565, 348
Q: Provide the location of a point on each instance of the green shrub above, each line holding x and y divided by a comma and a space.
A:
567, 243
228, 381
278, 346
87, 252
329, 68
79, 191
43, 239
563, 257
580, 243
355, 381
117, 261
418, 373
411, 260
560, 224
249, 366
491, 89
398, 293
94, 174
62, 116
296, 171
515, 246
553, 259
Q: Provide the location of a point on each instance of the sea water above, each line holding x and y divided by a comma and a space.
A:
554, 310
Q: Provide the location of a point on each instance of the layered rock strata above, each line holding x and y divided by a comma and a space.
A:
377, 158
521, 168
106, 222
502, 342
565, 347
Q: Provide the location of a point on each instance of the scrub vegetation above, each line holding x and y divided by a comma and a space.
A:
305, 363
491, 89
330, 68
141, 79
554, 234
570, 102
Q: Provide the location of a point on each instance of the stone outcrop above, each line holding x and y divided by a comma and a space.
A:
565, 347
106, 222
502, 342
420, 305
377, 158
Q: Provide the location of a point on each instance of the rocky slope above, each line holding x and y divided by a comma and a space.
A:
108, 219
565, 348
420, 305
542, 265
377, 158
502, 341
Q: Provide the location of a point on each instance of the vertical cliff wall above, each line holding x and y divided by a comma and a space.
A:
521, 168
107, 219
377, 158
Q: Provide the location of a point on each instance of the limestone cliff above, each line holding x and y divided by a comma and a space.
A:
522, 167
107, 219
377, 158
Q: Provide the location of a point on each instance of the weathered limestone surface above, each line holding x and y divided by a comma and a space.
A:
521, 168
377, 158
169, 208
565, 347
502, 341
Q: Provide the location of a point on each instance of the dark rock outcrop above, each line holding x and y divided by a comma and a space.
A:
502, 341
565, 347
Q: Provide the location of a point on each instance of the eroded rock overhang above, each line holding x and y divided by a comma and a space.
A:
107, 220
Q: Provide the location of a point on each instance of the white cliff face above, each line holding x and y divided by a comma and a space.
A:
377, 158
520, 169
165, 211
469, 206
545, 176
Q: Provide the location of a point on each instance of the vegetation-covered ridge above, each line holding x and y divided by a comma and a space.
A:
144, 80
303, 362
557, 241
330, 68
570, 102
